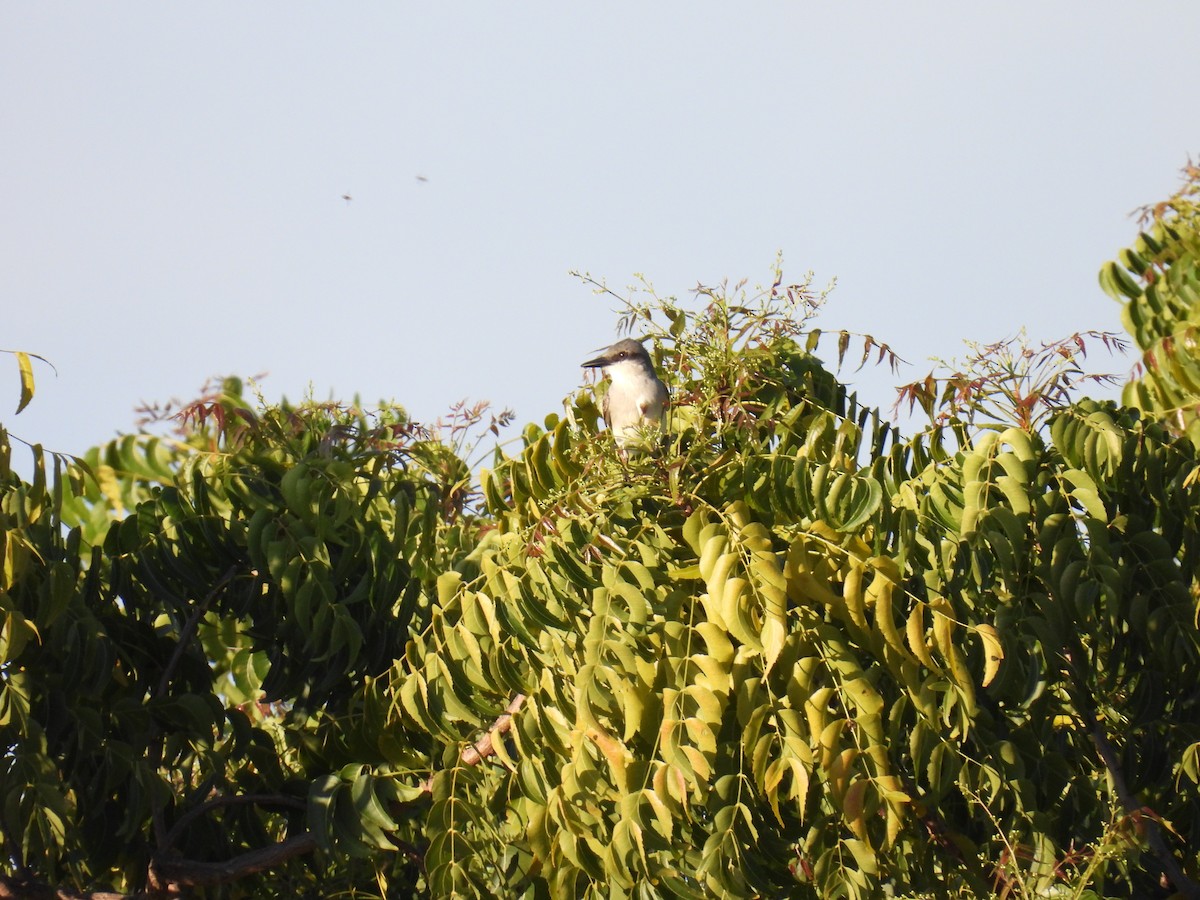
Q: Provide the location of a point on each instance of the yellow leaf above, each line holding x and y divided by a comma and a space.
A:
993, 652
852, 591
773, 637
880, 595
915, 631
616, 753
670, 785
26, 367
853, 806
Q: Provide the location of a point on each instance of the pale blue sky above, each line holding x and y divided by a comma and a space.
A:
171, 179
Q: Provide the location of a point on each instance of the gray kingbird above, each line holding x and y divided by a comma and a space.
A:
636, 398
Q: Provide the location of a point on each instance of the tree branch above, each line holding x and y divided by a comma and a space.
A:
154, 753
1132, 806
486, 746
189, 629
1084, 703
166, 876
191, 815
194, 873
26, 889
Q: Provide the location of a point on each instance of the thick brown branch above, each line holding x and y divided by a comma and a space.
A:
1166, 859
23, 889
1112, 763
194, 873
486, 745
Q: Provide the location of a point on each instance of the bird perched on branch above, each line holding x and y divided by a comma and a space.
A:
636, 398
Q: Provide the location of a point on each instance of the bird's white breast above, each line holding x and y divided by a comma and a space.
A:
635, 399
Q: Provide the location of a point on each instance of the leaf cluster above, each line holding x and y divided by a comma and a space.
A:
778, 654
782, 651
1157, 280
187, 621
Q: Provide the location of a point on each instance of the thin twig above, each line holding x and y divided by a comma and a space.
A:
154, 755
189, 629
231, 800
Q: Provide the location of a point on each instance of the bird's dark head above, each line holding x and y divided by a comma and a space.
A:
622, 351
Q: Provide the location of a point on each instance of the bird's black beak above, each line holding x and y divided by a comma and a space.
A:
597, 363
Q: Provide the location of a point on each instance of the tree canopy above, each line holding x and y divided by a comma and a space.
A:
311, 650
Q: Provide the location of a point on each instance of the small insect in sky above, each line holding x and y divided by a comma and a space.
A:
422, 179
347, 198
